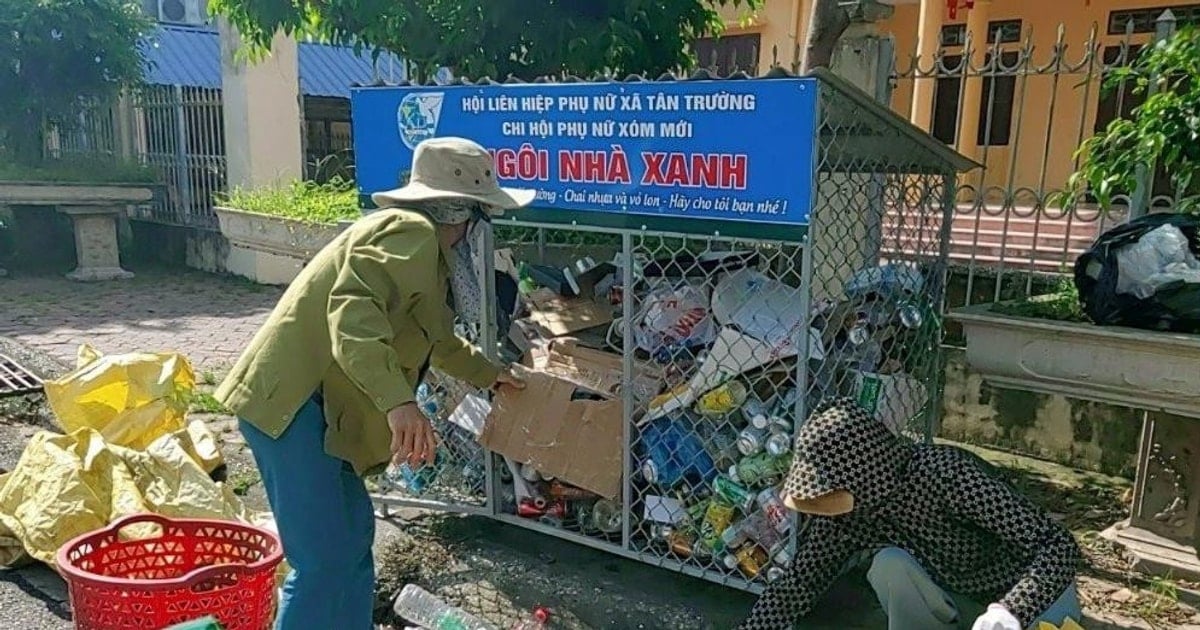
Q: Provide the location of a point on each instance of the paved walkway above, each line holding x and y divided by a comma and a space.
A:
209, 318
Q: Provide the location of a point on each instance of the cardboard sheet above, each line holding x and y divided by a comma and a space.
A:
556, 315
578, 441
595, 370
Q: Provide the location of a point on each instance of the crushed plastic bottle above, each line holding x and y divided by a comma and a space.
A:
535, 621
419, 606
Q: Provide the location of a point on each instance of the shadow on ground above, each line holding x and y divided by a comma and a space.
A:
500, 572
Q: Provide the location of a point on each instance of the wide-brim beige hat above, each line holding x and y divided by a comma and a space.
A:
454, 168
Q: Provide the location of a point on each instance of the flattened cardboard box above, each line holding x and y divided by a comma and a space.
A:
577, 441
556, 315
595, 370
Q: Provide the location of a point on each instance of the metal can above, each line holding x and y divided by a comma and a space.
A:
530, 474
734, 494
528, 508
681, 544
650, 471
606, 516
774, 574
772, 506
779, 445
750, 440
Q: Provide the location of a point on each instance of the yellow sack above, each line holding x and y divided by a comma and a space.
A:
68, 485
1068, 624
130, 399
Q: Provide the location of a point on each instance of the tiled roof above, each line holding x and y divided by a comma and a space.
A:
191, 56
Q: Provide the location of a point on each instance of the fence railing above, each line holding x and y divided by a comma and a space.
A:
1021, 105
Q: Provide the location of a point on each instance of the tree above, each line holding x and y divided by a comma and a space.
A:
1164, 130
56, 55
827, 21
496, 38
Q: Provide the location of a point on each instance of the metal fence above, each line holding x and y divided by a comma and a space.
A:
1028, 106
179, 131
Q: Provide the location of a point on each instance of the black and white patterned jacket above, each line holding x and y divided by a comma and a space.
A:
970, 531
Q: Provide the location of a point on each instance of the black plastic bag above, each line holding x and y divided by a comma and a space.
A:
1173, 307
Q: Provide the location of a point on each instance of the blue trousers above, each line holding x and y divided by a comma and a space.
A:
912, 601
326, 522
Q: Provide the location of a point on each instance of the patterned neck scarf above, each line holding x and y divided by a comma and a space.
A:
464, 282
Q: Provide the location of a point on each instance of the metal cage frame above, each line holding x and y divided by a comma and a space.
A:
863, 151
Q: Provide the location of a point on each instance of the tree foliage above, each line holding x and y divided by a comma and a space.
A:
497, 38
1164, 130
57, 54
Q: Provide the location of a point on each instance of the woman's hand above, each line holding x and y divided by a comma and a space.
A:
510, 377
413, 441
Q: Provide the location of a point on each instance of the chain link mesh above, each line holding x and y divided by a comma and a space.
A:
741, 338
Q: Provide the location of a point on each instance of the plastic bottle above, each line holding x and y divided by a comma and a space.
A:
535, 621
419, 606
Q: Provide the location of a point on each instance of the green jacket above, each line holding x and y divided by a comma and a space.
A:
361, 321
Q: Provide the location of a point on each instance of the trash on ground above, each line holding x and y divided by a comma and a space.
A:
64, 486
130, 399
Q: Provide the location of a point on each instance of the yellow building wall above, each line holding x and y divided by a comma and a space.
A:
777, 22
1050, 116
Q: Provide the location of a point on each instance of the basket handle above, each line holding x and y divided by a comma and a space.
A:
199, 575
138, 519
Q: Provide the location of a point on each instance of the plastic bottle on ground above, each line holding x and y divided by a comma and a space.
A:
535, 621
419, 606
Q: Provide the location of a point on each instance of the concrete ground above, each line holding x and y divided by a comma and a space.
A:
495, 568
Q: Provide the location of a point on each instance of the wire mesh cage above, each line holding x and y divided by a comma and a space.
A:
724, 337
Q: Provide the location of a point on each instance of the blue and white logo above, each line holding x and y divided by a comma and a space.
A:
418, 116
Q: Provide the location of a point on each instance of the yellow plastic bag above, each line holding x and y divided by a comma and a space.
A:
1068, 624
68, 485
130, 399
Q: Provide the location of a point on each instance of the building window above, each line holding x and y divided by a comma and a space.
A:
730, 53
954, 35
998, 90
1009, 32
1143, 20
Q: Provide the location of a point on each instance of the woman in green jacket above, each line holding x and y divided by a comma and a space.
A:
325, 392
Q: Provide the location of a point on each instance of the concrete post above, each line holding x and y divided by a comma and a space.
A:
929, 37
261, 105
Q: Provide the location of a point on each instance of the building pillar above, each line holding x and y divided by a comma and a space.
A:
261, 111
977, 31
929, 37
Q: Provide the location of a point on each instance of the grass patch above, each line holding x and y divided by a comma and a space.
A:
1061, 306
105, 170
300, 200
242, 482
203, 402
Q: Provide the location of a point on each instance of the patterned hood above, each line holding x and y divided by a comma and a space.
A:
843, 447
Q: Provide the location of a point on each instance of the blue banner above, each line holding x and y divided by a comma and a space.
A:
726, 150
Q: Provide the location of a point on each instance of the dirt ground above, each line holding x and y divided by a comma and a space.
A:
500, 571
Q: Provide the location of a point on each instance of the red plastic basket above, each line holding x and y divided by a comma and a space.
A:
192, 569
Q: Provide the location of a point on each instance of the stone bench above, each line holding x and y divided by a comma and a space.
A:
94, 210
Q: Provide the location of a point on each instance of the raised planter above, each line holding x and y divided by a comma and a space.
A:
1121, 366
94, 210
269, 249
1154, 371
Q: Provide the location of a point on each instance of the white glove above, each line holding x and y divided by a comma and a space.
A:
997, 617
